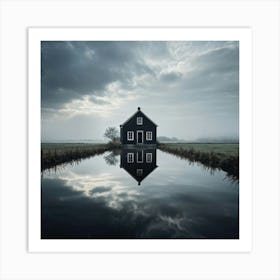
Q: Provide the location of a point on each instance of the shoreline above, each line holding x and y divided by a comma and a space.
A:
218, 156
225, 160
54, 154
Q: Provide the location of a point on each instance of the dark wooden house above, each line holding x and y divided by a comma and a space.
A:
138, 130
139, 162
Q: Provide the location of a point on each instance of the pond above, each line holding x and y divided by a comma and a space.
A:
138, 193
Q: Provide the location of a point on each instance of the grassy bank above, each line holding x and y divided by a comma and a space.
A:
53, 154
222, 156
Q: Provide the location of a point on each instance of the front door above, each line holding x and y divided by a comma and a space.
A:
140, 137
140, 156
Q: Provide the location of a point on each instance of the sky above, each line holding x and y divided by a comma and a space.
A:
190, 89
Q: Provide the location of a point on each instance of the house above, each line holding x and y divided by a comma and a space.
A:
139, 162
138, 130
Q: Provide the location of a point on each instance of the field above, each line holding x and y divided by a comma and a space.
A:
225, 149
223, 156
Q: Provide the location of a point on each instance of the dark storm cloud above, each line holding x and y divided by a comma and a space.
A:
88, 85
71, 70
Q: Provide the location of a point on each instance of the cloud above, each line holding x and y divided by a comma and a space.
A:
216, 70
170, 77
72, 70
99, 190
194, 81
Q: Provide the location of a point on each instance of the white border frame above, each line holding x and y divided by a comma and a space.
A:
243, 244
263, 16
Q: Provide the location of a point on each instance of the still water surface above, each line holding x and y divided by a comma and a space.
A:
106, 197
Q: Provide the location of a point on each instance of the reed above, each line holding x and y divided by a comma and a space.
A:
214, 160
55, 154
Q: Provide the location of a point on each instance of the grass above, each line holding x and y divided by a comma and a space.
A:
226, 149
53, 154
213, 155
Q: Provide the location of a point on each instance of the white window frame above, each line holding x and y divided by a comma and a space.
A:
139, 172
128, 158
147, 157
139, 121
132, 135
147, 135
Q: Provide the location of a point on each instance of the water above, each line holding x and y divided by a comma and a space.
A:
109, 196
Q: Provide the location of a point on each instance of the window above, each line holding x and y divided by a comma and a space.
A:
130, 135
139, 172
130, 157
149, 157
149, 135
139, 120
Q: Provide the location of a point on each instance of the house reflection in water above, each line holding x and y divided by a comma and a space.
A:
139, 162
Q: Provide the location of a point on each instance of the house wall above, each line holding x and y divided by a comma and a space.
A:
131, 125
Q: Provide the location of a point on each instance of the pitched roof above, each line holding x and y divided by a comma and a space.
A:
139, 109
